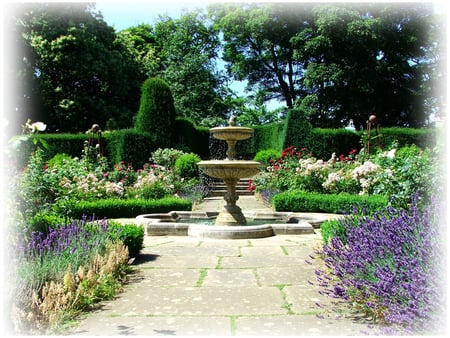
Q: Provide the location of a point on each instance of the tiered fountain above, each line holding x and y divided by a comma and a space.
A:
230, 171
230, 222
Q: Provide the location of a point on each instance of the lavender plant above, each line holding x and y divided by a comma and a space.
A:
51, 257
390, 267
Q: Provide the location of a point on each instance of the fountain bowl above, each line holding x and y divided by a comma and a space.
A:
232, 133
229, 169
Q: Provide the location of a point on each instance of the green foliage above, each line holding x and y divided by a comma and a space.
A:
186, 166
128, 208
131, 235
416, 171
74, 51
58, 160
130, 146
193, 137
300, 201
187, 50
156, 113
166, 157
336, 227
267, 156
297, 129
324, 142
43, 221
268, 136
302, 58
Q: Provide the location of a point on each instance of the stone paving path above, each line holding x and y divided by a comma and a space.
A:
194, 287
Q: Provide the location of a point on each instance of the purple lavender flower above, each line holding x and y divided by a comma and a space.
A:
390, 265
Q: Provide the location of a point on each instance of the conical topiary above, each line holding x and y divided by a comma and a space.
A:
156, 113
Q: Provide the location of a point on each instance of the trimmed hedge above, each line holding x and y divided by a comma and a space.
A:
322, 143
270, 136
130, 146
135, 148
156, 113
129, 208
300, 201
297, 129
196, 139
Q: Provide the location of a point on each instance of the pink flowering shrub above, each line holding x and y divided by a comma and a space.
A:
396, 173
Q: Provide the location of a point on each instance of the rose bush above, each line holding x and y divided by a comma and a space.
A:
397, 173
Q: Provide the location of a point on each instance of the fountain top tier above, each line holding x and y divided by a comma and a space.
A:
231, 134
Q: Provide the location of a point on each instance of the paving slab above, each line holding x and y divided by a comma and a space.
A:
155, 326
167, 277
185, 262
297, 325
231, 277
292, 275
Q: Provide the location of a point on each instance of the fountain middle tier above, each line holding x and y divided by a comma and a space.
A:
230, 171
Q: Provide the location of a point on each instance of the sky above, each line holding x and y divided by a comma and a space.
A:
123, 15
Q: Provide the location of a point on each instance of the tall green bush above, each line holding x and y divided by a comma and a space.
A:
297, 129
157, 111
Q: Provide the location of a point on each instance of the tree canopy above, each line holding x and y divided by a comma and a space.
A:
337, 61
334, 61
79, 75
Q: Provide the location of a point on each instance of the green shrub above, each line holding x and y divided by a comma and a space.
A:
42, 221
156, 113
118, 208
59, 159
166, 157
300, 201
186, 165
265, 156
131, 235
297, 129
194, 138
330, 229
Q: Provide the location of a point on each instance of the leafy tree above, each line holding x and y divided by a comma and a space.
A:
258, 46
380, 71
188, 48
338, 62
78, 71
142, 48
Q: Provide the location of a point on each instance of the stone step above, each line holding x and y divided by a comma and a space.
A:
218, 193
219, 188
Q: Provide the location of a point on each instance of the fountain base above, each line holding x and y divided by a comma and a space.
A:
231, 215
189, 223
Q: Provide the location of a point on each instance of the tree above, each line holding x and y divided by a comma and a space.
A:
258, 46
81, 74
380, 71
337, 62
187, 48
142, 48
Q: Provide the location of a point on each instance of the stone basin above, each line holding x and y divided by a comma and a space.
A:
232, 133
187, 223
230, 169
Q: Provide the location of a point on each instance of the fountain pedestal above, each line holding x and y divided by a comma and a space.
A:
230, 171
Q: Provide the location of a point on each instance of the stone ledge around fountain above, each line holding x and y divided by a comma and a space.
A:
178, 223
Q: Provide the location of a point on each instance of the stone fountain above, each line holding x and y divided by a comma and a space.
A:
230, 170
230, 222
